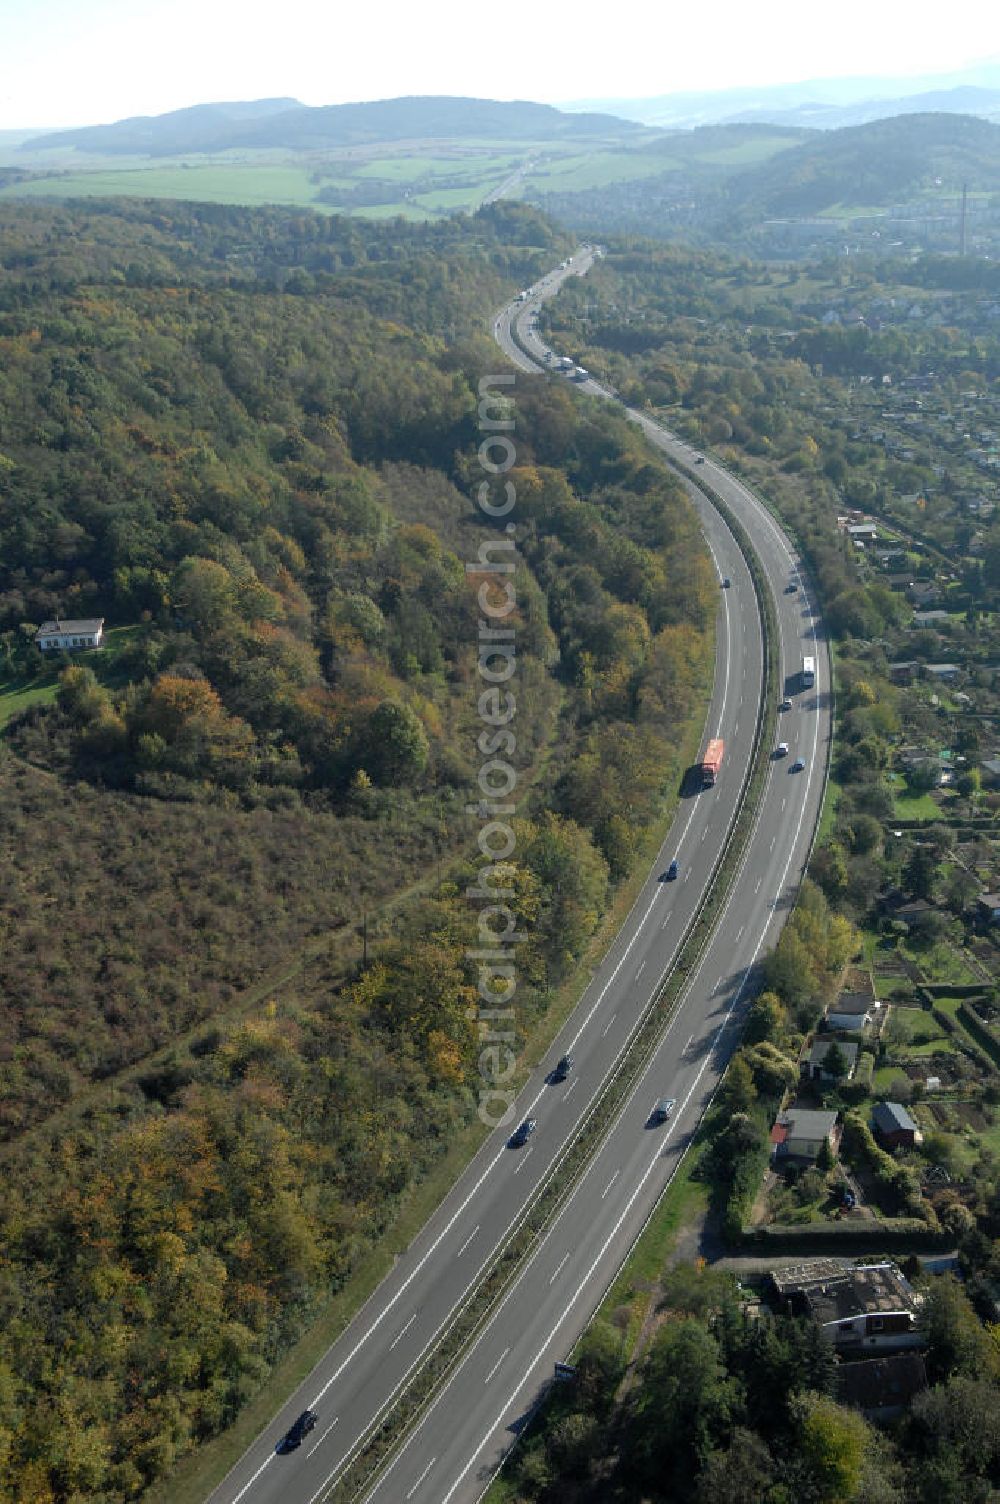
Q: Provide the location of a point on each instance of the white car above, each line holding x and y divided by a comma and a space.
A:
781, 750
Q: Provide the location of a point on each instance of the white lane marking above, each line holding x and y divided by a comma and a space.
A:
666, 920
496, 1365
468, 1240
607, 1026
570, 1088
558, 1269
686, 876
391, 1304
248, 1486
739, 932
609, 1185
759, 881
318, 1444
420, 1480
523, 1160
642, 968
402, 1332
704, 832
625, 954
784, 801
689, 1044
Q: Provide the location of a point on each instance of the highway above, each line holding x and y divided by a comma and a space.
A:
473, 1421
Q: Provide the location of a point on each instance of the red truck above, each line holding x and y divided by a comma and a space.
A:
711, 762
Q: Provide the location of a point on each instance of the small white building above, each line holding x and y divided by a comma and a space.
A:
852, 1012
70, 636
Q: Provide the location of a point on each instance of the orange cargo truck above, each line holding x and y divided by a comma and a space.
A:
711, 762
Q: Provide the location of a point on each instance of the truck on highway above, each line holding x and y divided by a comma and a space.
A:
808, 673
579, 374
565, 364
712, 762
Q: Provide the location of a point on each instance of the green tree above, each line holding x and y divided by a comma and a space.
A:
686, 1404
832, 1442
738, 1092
395, 749
920, 872
956, 1342
744, 1473
767, 1019
835, 1062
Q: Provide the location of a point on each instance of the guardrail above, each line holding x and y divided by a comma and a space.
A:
449, 1345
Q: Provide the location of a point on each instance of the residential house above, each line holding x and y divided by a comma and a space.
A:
945, 673
862, 532
914, 914
813, 1067
922, 593
862, 1308
894, 1126
799, 1133
903, 672
70, 636
990, 770
913, 760
988, 907
881, 1388
852, 1012
929, 618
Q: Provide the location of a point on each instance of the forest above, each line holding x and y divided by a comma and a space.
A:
248, 441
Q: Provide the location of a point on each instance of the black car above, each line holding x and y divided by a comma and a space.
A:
725, 583
563, 1069
672, 870
522, 1133
298, 1431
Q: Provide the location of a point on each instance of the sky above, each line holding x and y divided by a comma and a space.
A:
81, 62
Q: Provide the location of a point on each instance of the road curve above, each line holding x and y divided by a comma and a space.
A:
460, 1441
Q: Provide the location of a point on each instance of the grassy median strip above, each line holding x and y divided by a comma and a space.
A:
441, 1360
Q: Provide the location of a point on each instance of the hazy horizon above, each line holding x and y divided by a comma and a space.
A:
71, 64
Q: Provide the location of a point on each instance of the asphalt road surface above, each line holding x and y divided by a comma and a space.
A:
454, 1452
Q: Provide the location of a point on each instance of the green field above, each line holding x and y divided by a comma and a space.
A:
594, 170
755, 149
466, 176
17, 694
403, 169
220, 184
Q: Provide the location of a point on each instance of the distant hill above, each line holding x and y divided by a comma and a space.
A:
824, 102
876, 164
159, 135
293, 126
966, 100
